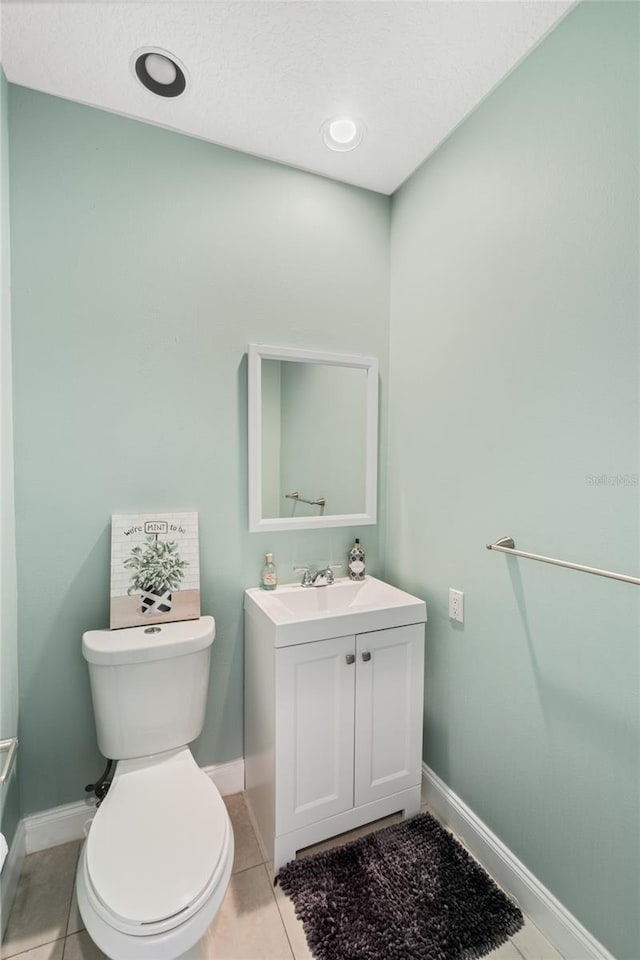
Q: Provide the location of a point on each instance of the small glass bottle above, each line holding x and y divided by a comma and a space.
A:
356, 562
269, 575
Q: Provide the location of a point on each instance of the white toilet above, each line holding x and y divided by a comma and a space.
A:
157, 860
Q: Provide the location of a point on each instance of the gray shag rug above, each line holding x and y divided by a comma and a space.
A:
407, 892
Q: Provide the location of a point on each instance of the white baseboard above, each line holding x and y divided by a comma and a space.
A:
64, 823
57, 825
11, 870
228, 777
566, 933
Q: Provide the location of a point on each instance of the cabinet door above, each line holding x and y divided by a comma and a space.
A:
314, 731
389, 695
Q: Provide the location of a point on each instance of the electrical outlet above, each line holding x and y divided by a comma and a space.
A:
456, 605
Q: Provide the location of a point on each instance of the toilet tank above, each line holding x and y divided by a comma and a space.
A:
149, 685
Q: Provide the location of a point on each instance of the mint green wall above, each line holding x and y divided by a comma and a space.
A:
513, 378
9, 797
144, 262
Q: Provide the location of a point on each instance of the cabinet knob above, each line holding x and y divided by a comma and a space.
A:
350, 658
366, 656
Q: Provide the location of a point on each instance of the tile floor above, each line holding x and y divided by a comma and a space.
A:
256, 922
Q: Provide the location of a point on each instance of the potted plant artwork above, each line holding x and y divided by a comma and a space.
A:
158, 570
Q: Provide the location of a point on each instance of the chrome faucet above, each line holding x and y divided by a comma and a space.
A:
321, 578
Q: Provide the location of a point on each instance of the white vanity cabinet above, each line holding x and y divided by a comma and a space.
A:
333, 730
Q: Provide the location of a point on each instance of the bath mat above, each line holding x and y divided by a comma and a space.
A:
407, 892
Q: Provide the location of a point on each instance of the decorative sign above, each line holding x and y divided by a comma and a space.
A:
155, 570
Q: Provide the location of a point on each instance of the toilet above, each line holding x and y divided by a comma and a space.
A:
157, 860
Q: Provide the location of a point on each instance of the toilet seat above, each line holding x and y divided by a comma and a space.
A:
158, 844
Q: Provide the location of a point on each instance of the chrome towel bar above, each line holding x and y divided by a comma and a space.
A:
320, 502
506, 545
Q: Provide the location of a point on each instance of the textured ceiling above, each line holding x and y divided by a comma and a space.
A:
263, 76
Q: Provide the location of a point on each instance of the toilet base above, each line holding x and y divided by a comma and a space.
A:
197, 952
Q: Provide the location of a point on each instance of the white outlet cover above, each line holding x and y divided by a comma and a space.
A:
456, 605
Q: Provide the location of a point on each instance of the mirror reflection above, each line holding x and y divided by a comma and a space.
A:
313, 439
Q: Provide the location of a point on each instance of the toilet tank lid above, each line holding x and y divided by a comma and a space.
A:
142, 644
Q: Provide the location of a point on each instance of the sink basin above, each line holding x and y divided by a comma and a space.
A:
295, 614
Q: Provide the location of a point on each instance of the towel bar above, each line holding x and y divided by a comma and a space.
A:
320, 502
507, 545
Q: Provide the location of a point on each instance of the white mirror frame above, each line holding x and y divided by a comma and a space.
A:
257, 523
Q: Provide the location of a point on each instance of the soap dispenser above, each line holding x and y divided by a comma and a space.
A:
356, 561
269, 575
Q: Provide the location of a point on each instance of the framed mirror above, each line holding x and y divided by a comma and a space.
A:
313, 439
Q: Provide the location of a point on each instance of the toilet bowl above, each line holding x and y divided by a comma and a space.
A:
159, 852
156, 864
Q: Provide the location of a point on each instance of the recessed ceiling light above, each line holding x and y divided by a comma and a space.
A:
342, 133
160, 68
159, 71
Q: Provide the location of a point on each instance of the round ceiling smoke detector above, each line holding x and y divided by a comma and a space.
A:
342, 133
159, 71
